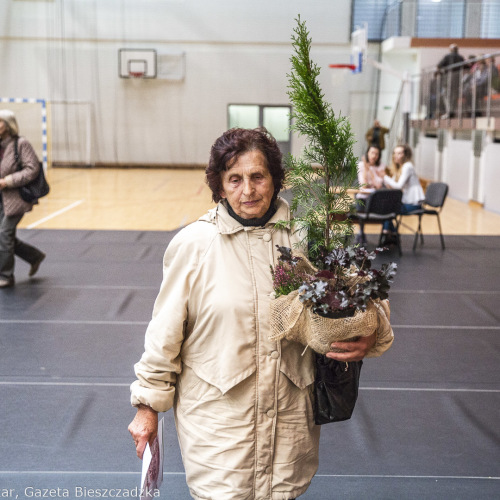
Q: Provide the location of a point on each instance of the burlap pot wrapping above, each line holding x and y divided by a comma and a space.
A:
291, 320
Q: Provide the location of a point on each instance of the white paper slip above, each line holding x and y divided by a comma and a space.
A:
152, 465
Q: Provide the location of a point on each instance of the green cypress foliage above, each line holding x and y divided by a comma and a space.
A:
319, 179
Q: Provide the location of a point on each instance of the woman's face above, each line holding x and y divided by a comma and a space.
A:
399, 156
248, 186
373, 154
4, 130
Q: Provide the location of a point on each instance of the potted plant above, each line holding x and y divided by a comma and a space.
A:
344, 299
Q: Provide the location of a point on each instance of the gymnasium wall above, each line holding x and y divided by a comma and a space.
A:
66, 52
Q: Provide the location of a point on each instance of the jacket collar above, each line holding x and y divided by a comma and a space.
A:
227, 225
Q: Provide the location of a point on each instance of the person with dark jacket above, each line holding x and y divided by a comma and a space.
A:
12, 206
375, 135
451, 78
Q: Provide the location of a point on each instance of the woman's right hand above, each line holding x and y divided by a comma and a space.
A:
144, 428
368, 177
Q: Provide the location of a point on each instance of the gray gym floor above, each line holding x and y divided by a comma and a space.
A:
426, 425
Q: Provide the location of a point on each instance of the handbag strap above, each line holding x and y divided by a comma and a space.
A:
16, 155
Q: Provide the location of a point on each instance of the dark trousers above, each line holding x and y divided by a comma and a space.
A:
10, 245
405, 208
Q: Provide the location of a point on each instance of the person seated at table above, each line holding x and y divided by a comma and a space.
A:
405, 178
371, 173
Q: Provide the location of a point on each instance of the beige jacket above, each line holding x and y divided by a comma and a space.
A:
12, 202
242, 403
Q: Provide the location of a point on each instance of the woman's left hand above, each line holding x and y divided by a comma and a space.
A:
353, 351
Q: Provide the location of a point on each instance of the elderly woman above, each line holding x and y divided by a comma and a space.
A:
242, 403
12, 206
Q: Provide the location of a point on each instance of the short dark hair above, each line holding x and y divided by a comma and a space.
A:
377, 163
235, 142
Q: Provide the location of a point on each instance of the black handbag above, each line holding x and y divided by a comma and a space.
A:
35, 189
335, 389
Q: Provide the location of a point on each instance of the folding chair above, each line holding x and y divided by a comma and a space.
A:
435, 196
381, 206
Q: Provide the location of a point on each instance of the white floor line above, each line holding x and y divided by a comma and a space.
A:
104, 322
70, 472
55, 214
101, 287
447, 327
120, 384
396, 476
125, 473
426, 389
83, 472
72, 384
449, 292
146, 287
70, 322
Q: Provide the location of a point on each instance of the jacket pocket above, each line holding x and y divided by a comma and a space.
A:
198, 395
296, 364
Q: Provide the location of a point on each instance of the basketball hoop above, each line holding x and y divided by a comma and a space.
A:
341, 71
136, 74
352, 67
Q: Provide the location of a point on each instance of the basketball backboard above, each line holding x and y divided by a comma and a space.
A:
137, 63
359, 44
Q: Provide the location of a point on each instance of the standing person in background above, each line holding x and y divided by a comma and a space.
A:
435, 99
375, 135
495, 78
12, 206
467, 85
405, 178
481, 77
453, 57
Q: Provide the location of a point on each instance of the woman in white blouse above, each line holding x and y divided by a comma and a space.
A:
405, 178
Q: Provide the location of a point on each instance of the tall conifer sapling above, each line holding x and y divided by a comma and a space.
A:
320, 178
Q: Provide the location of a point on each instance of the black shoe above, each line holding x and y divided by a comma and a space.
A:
36, 265
389, 239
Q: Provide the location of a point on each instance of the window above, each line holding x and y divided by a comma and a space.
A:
243, 116
490, 19
445, 19
276, 119
372, 12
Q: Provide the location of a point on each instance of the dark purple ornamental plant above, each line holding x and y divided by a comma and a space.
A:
345, 283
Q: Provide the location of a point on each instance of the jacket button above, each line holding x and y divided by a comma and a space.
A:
271, 413
266, 237
268, 469
275, 355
